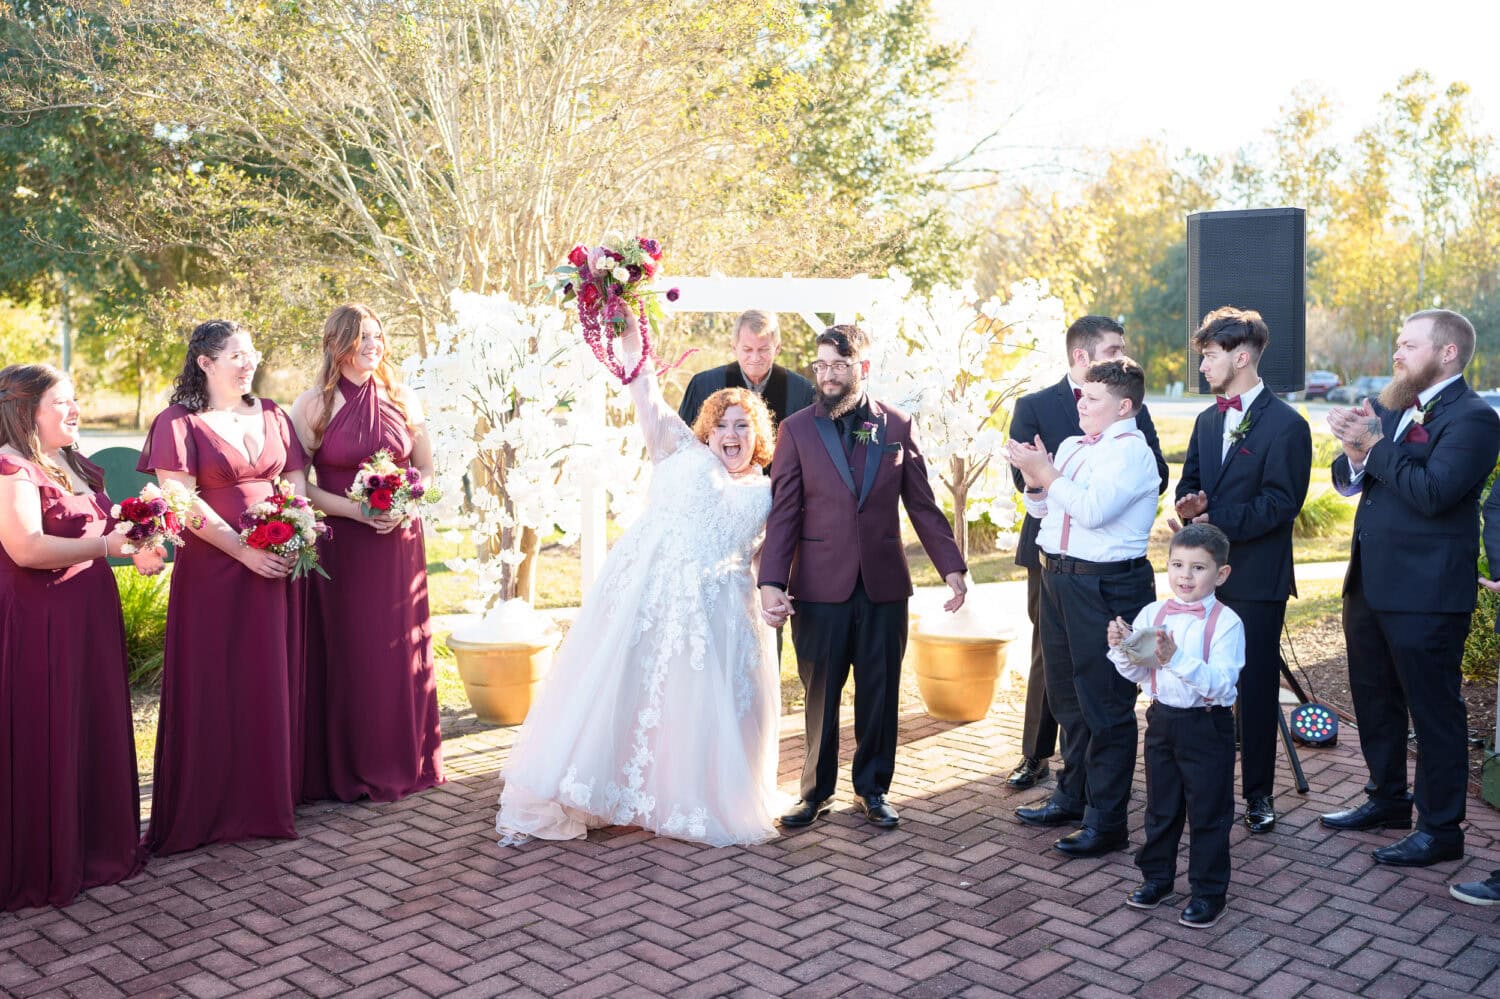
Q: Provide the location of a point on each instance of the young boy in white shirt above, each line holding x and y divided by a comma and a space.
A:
1191, 676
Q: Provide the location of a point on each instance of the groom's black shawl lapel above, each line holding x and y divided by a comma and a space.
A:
829, 435
874, 451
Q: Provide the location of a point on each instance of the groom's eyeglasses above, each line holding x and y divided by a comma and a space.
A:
835, 367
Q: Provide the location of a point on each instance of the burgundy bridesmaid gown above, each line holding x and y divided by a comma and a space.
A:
373, 728
228, 740
69, 802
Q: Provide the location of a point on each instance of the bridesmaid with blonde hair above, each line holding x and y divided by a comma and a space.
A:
69, 803
373, 729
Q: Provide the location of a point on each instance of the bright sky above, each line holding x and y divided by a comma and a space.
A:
1064, 75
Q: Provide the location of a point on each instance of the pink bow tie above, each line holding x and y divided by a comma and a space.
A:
1091, 439
1178, 607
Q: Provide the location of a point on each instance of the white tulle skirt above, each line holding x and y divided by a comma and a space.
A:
661, 709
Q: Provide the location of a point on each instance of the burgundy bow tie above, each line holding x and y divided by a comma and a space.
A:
1178, 607
1233, 402
1077, 394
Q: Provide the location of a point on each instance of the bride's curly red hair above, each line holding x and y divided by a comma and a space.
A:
760, 420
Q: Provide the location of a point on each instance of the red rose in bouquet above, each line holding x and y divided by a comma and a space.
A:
259, 538
380, 499
611, 284
578, 256
279, 532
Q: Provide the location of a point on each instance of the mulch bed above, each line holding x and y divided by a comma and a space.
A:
1320, 663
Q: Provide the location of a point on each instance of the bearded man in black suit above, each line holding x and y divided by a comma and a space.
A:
1052, 414
1418, 463
1247, 469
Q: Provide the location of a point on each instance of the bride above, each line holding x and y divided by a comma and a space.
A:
661, 708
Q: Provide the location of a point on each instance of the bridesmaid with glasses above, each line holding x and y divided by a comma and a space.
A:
373, 729
228, 746
69, 802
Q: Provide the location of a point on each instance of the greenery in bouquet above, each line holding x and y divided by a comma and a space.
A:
382, 486
286, 525
608, 282
157, 516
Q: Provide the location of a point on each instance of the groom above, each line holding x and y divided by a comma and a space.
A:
833, 561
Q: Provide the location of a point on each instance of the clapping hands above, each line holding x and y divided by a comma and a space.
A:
1032, 461
1358, 429
1191, 509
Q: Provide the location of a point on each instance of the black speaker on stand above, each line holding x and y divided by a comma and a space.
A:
1253, 259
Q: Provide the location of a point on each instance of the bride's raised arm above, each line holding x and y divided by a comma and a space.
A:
663, 429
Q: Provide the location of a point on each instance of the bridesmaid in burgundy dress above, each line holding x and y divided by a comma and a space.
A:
69, 802
232, 681
372, 714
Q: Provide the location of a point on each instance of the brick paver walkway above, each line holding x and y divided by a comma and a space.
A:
415, 899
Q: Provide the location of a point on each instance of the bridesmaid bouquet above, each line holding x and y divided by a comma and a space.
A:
609, 281
156, 517
286, 525
382, 486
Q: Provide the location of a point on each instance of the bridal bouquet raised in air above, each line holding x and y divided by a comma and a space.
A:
609, 282
158, 516
286, 525
382, 486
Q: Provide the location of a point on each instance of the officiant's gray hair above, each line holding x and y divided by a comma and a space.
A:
759, 323
1449, 327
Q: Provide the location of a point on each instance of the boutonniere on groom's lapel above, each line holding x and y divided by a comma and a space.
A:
1238, 433
869, 433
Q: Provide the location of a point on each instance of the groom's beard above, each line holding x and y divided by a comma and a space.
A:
838, 403
1405, 387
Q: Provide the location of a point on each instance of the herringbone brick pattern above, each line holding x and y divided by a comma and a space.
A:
415, 899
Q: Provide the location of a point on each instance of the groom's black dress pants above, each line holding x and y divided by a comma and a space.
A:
829, 639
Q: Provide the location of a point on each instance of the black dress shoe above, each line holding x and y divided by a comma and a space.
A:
1149, 895
805, 813
1370, 815
1090, 842
877, 811
1260, 814
1028, 772
1419, 849
1201, 913
1048, 814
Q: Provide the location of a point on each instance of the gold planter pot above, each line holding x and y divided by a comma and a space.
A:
501, 679
956, 675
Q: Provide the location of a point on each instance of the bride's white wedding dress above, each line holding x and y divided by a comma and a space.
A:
662, 705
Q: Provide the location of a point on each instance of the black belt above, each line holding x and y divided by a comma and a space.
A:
1083, 567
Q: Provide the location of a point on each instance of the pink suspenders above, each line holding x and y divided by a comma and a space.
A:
1208, 634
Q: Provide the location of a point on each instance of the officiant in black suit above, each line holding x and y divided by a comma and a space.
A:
1418, 463
757, 341
1052, 413
1247, 469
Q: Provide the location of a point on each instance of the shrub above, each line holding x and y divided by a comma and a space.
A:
1324, 514
143, 600
1482, 647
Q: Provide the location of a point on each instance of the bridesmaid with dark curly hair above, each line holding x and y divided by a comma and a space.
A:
228, 746
373, 729
69, 804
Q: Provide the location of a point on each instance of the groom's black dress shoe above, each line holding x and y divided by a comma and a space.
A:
1047, 814
1090, 842
877, 811
1419, 849
1028, 772
1149, 895
805, 813
1260, 814
1370, 815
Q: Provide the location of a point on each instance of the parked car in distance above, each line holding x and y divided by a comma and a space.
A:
1319, 383
1362, 388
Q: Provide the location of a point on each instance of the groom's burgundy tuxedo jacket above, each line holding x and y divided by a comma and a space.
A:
834, 520
1416, 529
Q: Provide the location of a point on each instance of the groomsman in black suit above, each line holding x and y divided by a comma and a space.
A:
1052, 414
1418, 462
1246, 472
757, 341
